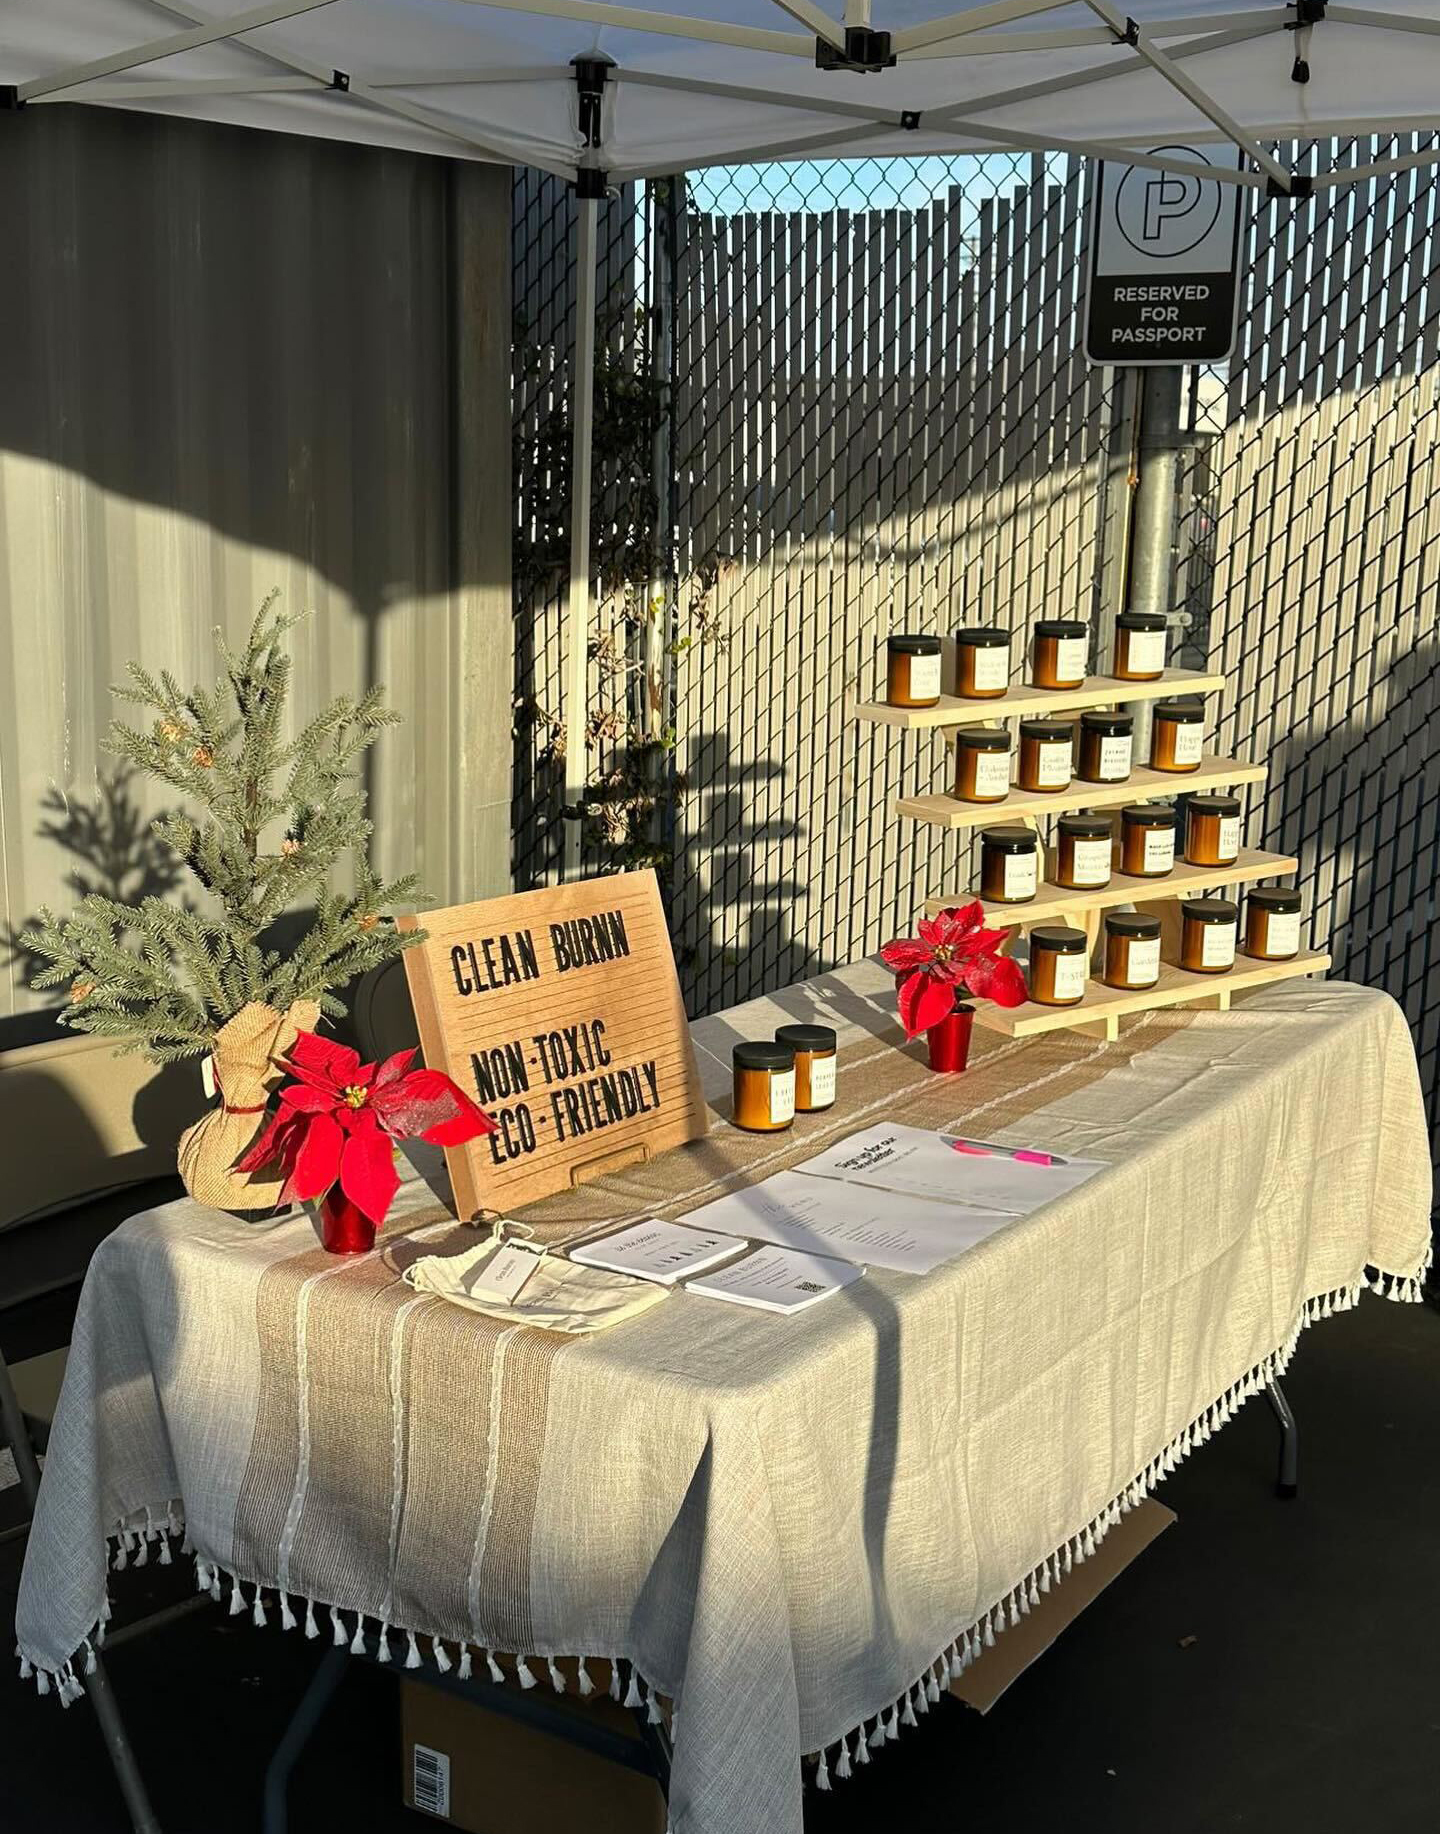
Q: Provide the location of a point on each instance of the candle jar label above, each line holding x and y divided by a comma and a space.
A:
1070, 975
1282, 933
1145, 651
1189, 742
1021, 876
1144, 968
782, 1097
1159, 849
1070, 658
992, 668
1052, 764
1091, 861
1115, 759
822, 1081
1229, 843
992, 773
1217, 945
924, 677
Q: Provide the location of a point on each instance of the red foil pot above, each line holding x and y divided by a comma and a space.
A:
949, 1041
344, 1229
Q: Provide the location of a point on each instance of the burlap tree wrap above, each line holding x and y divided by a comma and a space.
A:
246, 1075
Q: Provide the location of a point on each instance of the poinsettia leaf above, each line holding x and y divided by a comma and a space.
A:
393, 1068
367, 1172
317, 1159
931, 931
997, 978
924, 1000
984, 942
270, 1144
966, 916
307, 1098
904, 953
337, 1061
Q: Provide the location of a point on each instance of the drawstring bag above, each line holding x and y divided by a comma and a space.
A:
559, 1295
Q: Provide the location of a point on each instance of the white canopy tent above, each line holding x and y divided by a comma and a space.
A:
601, 93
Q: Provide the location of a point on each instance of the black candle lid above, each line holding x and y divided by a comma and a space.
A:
1109, 725
1060, 627
1210, 910
807, 1037
1008, 839
1275, 898
1140, 620
1050, 732
983, 738
1086, 827
913, 643
763, 1054
1132, 923
1214, 805
1185, 711
1063, 941
982, 637
1148, 814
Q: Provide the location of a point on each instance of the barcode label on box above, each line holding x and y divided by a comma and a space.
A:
430, 1782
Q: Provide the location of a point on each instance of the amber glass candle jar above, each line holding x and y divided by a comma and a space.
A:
764, 1074
1132, 950
1009, 865
1047, 755
1177, 735
814, 1048
982, 764
1212, 830
1147, 840
1105, 745
1139, 646
1272, 923
912, 674
1059, 965
1207, 937
1058, 653
1083, 845
982, 663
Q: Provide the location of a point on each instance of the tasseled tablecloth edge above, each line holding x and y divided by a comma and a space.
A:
838, 1758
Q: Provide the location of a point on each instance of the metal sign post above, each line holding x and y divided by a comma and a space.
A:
1163, 259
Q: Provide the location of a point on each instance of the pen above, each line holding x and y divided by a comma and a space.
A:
983, 1149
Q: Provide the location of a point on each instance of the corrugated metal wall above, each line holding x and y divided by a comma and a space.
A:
234, 361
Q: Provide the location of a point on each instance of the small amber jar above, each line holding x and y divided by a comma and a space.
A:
814, 1048
1147, 840
1132, 950
1047, 755
1207, 937
982, 663
1059, 965
1212, 830
912, 673
1139, 646
1272, 923
764, 1074
1177, 735
1058, 653
1009, 865
982, 764
1105, 746
1083, 845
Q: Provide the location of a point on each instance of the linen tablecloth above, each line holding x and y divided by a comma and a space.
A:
795, 1529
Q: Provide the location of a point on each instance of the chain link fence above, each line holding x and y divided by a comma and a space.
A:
857, 383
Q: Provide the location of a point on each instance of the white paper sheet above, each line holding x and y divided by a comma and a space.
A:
663, 1252
776, 1280
854, 1222
920, 1163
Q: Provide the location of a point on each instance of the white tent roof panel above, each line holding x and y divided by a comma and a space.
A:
720, 81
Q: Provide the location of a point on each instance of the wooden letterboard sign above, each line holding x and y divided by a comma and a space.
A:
559, 1011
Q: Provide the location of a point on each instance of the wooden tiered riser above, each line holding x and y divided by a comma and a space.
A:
1023, 702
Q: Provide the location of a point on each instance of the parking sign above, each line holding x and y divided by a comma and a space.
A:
1164, 249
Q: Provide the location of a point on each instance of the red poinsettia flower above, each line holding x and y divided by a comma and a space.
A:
340, 1118
952, 954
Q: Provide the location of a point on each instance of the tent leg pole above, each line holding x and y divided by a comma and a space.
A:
577, 602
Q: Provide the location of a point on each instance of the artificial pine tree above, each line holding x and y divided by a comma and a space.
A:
274, 818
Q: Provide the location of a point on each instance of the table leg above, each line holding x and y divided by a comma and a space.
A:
313, 1702
121, 1754
1287, 1482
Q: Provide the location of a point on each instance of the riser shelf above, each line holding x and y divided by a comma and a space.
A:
1184, 881
1022, 701
941, 810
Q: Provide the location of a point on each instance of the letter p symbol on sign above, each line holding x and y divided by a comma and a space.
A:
1167, 196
